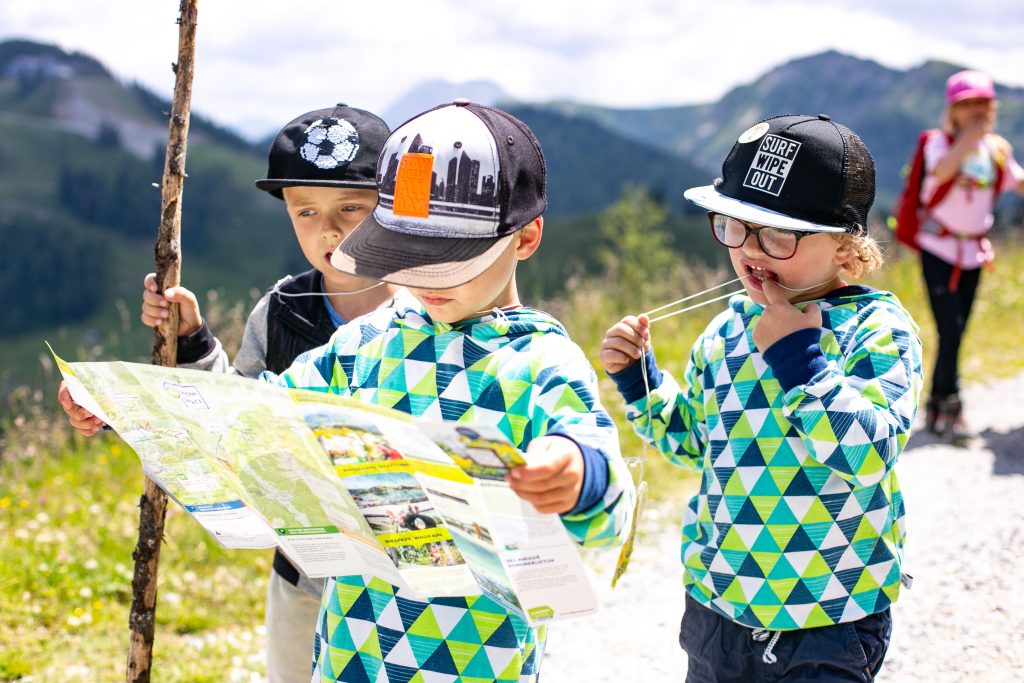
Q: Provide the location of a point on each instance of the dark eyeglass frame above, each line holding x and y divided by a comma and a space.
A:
756, 232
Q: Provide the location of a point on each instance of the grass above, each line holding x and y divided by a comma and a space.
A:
68, 524
68, 516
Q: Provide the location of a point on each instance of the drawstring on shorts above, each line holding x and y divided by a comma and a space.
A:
760, 635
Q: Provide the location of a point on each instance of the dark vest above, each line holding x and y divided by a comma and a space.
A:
296, 324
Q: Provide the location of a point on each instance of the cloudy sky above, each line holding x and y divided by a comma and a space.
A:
261, 62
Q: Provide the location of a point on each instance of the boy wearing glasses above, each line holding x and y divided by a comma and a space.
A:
794, 407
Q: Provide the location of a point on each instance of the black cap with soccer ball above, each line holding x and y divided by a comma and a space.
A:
333, 147
804, 173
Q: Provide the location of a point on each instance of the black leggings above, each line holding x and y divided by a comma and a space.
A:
951, 311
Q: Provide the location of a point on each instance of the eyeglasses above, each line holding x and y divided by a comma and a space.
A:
775, 242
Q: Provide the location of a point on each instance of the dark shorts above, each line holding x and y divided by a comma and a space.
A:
721, 651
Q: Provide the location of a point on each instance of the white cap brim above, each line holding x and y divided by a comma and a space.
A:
711, 199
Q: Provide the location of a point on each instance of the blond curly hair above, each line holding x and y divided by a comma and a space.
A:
865, 254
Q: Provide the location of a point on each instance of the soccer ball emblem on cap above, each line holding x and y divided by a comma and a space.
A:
330, 143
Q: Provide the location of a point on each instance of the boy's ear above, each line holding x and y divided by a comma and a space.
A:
529, 238
843, 254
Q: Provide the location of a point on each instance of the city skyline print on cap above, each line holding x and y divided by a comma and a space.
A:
437, 176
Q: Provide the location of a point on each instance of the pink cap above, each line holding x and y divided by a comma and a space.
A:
965, 85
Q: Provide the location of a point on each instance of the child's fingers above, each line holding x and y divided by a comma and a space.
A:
80, 415
773, 293
630, 348
87, 426
64, 395
81, 419
149, 283
643, 322
614, 361
154, 299
547, 457
538, 477
154, 305
181, 295
812, 314
553, 501
630, 330
553, 474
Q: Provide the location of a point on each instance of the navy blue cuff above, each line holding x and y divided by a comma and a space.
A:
595, 475
197, 345
630, 381
796, 358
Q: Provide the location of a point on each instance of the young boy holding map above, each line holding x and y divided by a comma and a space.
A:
462, 193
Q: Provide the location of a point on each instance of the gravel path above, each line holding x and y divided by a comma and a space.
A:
963, 620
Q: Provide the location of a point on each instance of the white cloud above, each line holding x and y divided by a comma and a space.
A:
260, 62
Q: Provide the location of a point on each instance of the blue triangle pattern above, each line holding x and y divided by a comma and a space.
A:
424, 351
397, 673
503, 636
387, 638
362, 608
441, 661
409, 610
354, 672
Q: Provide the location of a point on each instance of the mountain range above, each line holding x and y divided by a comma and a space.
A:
80, 151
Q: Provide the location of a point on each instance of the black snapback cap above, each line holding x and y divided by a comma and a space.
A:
454, 183
795, 172
333, 147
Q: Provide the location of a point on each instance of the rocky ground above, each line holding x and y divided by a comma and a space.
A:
963, 620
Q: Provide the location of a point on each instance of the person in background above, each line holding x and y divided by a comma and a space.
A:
967, 166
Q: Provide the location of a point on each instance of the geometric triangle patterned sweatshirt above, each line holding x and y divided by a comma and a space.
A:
515, 370
799, 520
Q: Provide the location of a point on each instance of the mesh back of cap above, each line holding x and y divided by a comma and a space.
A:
859, 189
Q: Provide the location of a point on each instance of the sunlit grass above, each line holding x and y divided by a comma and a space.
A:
68, 524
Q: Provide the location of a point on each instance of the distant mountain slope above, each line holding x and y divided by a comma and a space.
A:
79, 154
588, 164
886, 107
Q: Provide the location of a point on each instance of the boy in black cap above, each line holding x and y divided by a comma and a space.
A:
462, 190
322, 165
794, 407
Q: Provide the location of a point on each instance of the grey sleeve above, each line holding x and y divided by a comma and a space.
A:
252, 354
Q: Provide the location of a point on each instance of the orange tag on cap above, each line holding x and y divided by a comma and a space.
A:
412, 186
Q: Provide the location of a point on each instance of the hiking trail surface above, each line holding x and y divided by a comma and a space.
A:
963, 620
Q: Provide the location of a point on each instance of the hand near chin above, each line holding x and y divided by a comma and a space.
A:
781, 318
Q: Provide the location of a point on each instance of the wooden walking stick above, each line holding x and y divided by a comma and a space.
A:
167, 252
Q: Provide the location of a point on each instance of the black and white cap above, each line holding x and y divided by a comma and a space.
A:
333, 147
804, 173
454, 183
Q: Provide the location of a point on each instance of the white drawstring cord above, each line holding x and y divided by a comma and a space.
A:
694, 296
760, 635
804, 289
643, 354
276, 290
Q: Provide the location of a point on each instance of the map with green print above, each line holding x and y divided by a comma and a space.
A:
340, 487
